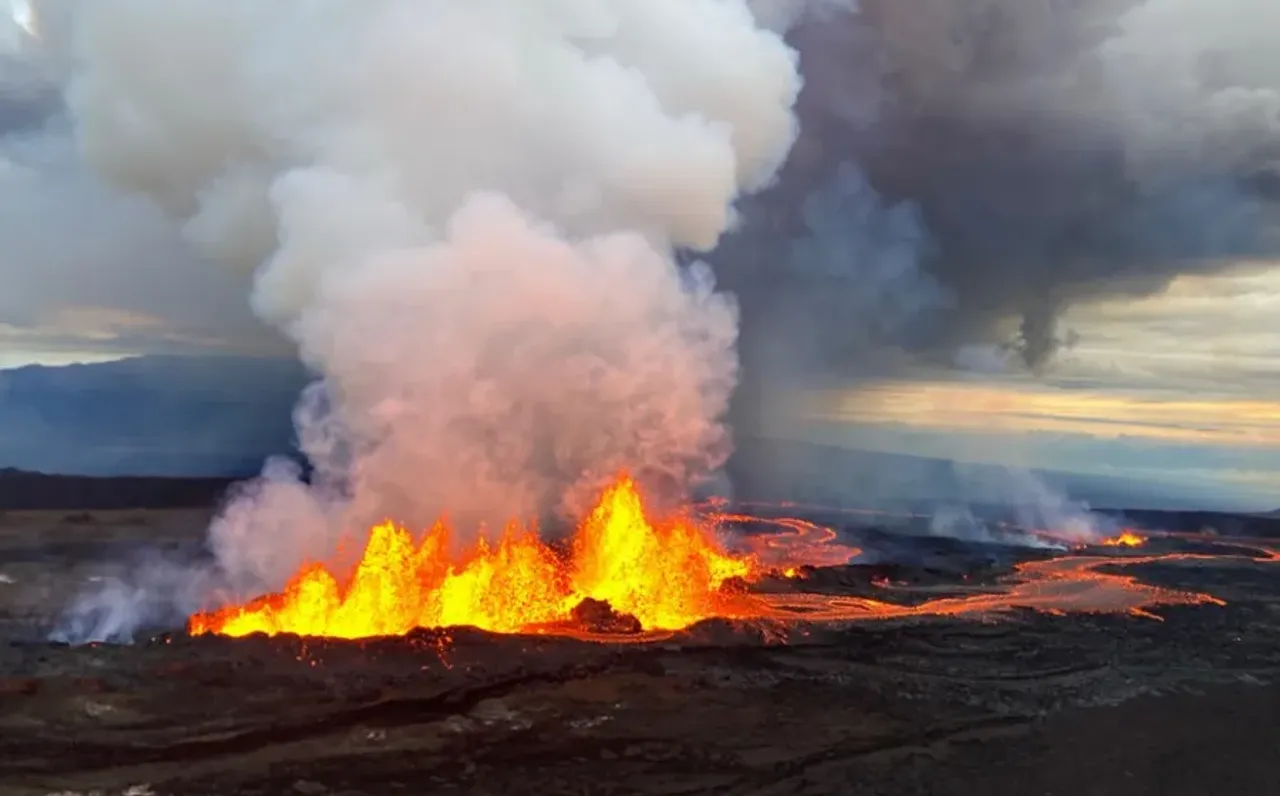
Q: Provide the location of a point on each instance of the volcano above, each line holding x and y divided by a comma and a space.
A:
755, 649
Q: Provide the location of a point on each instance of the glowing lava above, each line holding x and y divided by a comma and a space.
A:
667, 575
664, 575
1126, 539
1058, 585
797, 543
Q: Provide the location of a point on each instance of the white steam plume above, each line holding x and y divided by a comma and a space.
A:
463, 213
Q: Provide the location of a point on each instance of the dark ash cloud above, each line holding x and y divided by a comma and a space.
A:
1003, 160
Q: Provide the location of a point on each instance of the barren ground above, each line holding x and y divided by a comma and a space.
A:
1024, 703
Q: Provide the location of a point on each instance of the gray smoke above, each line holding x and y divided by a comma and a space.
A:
156, 593
86, 267
1046, 153
1043, 515
783, 15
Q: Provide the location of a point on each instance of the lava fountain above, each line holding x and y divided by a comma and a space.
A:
668, 574
1127, 538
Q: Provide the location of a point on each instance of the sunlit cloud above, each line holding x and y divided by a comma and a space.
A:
977, 407
1206, 334
1180, 391
23, 16
99, 334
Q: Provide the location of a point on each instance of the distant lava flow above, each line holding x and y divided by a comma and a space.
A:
1126, 538
1071, 584
627, 576
797, 543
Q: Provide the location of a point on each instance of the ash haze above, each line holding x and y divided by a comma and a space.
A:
1008, 231
1180, 392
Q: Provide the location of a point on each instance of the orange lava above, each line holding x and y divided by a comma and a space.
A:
1054, 586
667, 574
1126, 539
799, 543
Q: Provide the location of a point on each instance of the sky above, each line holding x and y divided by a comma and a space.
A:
1178, 388
20, 346
91, 273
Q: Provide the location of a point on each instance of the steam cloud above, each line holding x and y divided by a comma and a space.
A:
462, 214
1050, 152
1033, 154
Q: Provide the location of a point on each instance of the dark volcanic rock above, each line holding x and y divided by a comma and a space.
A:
1017, 703
23, 491
596, 616
915, 706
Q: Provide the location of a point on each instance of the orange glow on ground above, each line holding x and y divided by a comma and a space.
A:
798, 542
1054, 586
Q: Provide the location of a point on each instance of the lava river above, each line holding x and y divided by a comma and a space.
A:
660, 575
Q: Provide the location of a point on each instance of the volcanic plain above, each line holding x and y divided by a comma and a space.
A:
1052, 684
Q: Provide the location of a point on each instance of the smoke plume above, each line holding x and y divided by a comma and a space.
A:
1050, 153
1032, 155
463, 216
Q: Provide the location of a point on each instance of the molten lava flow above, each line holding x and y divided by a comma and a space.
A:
1126, 539
1056, 585
667, 575
797, 543
623, 573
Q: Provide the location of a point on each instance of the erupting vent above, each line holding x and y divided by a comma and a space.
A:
1125, 539
628, 576
668, 575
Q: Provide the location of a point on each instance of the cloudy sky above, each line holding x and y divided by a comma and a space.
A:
1180, 387
89, 273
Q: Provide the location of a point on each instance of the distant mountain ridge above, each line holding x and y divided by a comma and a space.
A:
782, 470
219, 418
154, 415
24, 491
